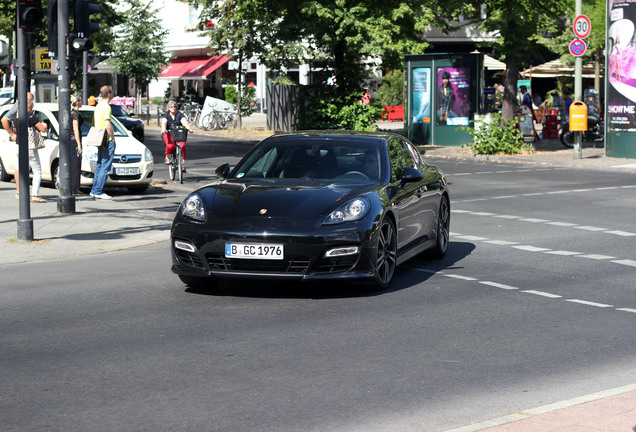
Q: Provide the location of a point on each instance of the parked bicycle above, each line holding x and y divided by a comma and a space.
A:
219, 119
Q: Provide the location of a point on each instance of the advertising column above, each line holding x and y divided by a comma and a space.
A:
621, 79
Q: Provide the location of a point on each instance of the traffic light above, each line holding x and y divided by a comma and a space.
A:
79, 40
51, 10
30, 15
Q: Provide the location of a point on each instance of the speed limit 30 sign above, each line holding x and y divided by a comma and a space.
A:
582, 26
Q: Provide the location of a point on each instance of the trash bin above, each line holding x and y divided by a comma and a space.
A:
578, 116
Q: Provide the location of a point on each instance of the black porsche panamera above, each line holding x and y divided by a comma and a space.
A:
328, 205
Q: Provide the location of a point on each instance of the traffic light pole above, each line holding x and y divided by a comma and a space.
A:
25, 223
65, 200
85, 77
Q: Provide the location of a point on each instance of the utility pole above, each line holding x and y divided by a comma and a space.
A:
65, 200
578, 87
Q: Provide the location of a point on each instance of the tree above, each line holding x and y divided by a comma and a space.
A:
140, 47
339, 33
520, 25
558, 40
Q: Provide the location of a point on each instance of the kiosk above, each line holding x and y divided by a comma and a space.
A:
442, 95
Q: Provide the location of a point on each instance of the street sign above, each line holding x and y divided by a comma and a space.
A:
577, 47
582, 26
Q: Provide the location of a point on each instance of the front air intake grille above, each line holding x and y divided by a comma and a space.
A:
336, 264
297, 265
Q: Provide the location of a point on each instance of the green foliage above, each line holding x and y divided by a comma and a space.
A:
400, 159
331, 110
391, 92
140, 50
497, 136
231, 94
247, 99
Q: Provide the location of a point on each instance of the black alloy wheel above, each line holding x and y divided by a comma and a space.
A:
386, 260
443, 229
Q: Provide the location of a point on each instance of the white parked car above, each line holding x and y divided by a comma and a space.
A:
133, 165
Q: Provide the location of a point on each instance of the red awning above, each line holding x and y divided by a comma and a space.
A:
193, 67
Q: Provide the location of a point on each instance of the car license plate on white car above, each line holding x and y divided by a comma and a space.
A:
126, 171
254, 251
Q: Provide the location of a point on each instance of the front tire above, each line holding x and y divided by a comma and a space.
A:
3, 173
386, 258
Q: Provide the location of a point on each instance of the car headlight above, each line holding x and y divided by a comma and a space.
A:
89, 153
351, 211
193, 208
148, 155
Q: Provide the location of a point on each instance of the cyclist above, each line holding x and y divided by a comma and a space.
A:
173, 117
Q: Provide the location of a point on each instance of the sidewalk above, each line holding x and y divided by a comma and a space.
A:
100, 226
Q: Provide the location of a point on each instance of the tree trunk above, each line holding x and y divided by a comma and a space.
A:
239, 75
510, 104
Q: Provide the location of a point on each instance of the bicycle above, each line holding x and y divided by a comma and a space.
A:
175, 167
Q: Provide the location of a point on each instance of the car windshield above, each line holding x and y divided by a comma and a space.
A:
332, 159
119, 130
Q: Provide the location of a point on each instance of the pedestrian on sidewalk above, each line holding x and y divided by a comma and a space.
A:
106, 153
76, 144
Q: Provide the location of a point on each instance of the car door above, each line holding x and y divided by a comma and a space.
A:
408, 200
430, 192
49, 155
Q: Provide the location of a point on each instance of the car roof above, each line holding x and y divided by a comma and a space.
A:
329, 134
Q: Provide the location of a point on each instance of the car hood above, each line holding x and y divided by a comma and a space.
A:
231, 199
129, 120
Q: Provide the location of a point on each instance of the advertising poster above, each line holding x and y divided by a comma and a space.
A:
421, 95
453, 96
621, 97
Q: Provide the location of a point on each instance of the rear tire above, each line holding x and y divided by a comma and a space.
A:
567, 138
443, 229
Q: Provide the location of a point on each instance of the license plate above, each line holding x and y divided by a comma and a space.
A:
126, 171
254, 251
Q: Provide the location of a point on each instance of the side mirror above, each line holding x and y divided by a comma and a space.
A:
410, 175
223, 171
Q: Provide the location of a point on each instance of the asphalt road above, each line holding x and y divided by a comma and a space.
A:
533, 304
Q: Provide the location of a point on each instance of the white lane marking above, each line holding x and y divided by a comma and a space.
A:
563, 253
626, 310
548, 222
605, 188
541, 293
596, 257
589, 303
531, 248
498, 285
621, 233
562, 224
473, 238
454, 276
505, 197
630, 263
590, 228
501, 242
512, 288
